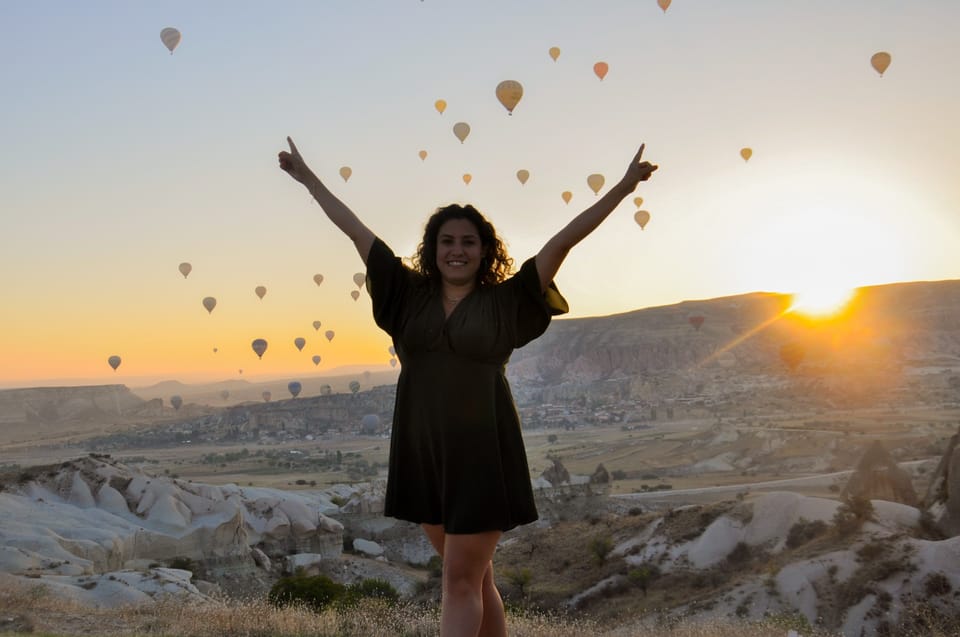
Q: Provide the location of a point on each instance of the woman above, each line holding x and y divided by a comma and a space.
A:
457, 462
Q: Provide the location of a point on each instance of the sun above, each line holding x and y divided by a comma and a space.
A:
822, 301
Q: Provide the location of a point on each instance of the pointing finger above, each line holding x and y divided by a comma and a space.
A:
293, 147
639, 154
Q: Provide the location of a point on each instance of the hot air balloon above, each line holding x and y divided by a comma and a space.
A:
746, 153
696, 321
261, 291
225, 394
440, 105
601, 68
299, 342
638, 201
393, 362
595, 181
467, 178
259, 346
176, 401
316, 325
329, 335
523, 175
114, 362
294, 388
880, 61
354, 386
316, 359
554, 52
509, 93
355, 294
423, 155
318, 278
664, 4
566, 195
184, 268
792, 354
170, 38
345, 172
266, 396
325, 390
209, 302
240, 371
642, 217
461, 130
215, 350
393, 352
359, 279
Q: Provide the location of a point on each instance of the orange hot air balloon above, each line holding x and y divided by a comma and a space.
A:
355, 294
114, 362
642, 217
746, 153
318, 278
595, 181
423, 155
638, 201
345, 172
696, 321
523, 175
467, 178
601, 68
259, 346
509, 93
566, 195
209, 302
554, 52
880, 61
461, 130
185, 269
299, 342
440, 105
663, 4
261, 291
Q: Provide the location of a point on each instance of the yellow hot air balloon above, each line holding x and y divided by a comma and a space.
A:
355, 294
601, 68
566, 195
209, 302
318, 278
259, 346
461, 130
423, 155
642, 217
509, 93
638, 201
880, 61
523, 175
440, 105
554, 52
664, 4
299, 342
261, 291
345, 172
114, 362
746, 153
316, 325
359, 279
467, 178
185, 269
170, 38
329, 335
595, 181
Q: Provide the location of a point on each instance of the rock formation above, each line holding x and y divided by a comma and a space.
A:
878, 477
942, 499
600, 475
556, 474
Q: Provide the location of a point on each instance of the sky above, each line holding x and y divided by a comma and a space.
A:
121, 160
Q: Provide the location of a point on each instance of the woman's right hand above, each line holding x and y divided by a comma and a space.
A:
292, 162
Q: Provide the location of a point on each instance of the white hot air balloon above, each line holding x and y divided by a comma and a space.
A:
170, 38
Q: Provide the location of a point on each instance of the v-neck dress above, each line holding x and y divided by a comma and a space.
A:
456, 452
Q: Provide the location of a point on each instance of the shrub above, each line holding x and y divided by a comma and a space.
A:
851, 515
936, 584
317, 592
182, 563
600, 547
368, 589
804, 531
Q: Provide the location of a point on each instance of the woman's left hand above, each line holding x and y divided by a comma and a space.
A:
637, 171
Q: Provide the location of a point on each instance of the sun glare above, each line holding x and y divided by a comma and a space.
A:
822, 301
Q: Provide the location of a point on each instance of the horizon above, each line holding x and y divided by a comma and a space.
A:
127, 159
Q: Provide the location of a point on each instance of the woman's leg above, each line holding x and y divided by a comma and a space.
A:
471, 603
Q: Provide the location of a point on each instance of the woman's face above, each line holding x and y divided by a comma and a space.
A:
459, 251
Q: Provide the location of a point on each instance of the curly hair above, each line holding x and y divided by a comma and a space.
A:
495, 265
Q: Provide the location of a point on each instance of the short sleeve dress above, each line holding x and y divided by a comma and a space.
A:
456, 453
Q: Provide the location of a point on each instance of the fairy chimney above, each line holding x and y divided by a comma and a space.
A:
878, 477
942, 499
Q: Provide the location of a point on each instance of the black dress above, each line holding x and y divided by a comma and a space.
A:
456, 454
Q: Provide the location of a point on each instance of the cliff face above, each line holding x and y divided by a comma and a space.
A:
52, 405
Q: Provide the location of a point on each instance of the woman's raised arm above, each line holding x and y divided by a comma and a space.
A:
338, 212
555, 250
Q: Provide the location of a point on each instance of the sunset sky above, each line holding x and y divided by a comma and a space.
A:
120, 161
